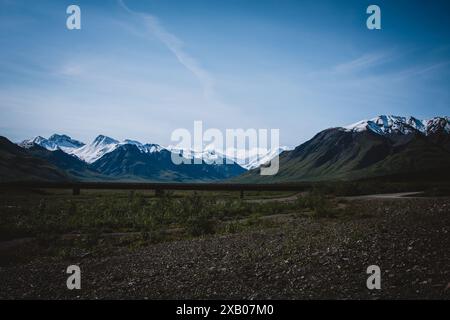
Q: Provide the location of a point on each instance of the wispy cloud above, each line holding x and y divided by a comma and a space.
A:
363, 62
423, 70
176, 46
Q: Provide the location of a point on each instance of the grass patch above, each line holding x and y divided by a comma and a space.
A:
48, 215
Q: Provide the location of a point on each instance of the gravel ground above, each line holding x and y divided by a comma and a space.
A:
307, 258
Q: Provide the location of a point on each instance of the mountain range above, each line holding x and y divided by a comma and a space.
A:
102, 145
108, 159
382, 146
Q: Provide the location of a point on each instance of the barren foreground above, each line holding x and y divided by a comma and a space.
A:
298, 257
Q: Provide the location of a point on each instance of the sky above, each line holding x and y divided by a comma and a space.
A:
142, 69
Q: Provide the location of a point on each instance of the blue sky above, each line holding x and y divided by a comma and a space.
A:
141, 69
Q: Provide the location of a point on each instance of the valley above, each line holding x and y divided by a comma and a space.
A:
373, 193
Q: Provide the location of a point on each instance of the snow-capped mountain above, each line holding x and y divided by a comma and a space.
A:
208, 155
437, 124
388, 124
248, 159
145, 148
96, 149
255, 157
403, 148
382, 146
108, 158
103, 145
56, 141
89, 153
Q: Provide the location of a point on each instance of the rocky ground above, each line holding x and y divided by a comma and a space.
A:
305, 258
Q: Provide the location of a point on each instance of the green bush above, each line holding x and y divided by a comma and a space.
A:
197, 213
318, 203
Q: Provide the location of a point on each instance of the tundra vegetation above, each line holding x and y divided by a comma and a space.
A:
45, 213
264, 245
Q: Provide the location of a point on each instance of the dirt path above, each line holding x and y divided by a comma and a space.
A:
282, 199
399, 195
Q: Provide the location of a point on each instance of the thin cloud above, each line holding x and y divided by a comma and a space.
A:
364, 62
175, 45
423, 70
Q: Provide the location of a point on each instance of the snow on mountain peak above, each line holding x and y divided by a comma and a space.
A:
153, 147
436, 124
101, 145
246, 158
257, 156
38, 140
96, 149
63, 141
389, 124
55, 142
104, 140
31, 142
59, 137
146, 148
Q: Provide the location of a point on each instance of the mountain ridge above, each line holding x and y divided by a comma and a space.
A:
102, 145
128, 160
385, 145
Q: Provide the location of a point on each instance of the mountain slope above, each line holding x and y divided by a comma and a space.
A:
95, 150
128, 162
74, 167
384, 146
16, 164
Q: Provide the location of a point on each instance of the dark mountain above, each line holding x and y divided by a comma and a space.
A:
74, 167
16, 164
349, 153
127, 162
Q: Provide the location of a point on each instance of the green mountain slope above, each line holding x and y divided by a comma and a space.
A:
18, 165
75, 168
336, 154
